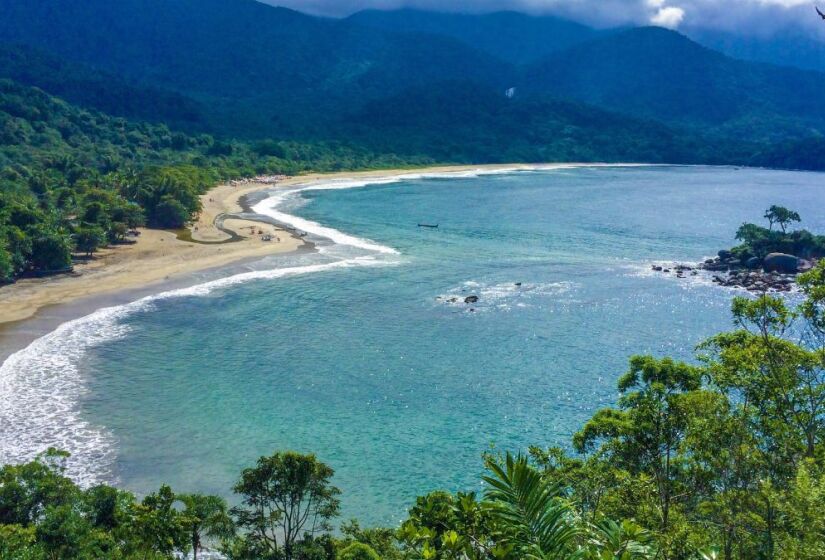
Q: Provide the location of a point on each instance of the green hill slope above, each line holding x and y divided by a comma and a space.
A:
511, 36
656, 73
94, 89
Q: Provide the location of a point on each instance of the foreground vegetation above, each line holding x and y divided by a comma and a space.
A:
721, 458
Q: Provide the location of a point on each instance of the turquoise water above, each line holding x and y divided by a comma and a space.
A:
398, 390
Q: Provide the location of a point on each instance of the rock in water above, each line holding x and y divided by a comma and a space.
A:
781, 262
471, 299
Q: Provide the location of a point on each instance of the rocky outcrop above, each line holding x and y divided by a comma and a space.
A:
775, 273
756, 281
781, 262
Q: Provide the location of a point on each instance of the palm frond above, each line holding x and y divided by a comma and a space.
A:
530, 511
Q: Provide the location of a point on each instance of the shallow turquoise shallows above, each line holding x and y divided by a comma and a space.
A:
375, 370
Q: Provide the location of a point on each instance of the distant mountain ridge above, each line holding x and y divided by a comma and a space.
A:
87, 87
511, 36
415, 82
657, 73
784, 48
524, 39
236, 47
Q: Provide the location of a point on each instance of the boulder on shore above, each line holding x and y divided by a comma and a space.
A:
753, 263
724, 254
781, 262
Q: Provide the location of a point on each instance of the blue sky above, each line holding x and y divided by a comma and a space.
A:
745, 16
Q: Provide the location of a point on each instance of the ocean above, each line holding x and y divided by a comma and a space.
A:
365, 352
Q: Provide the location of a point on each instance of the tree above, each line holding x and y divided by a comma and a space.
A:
358, 551
95, 213
156, 527
802, 514
285, 496
130, 214
107, 507
782, 381
205, 517
610, 540
6, 267
27, 490
645, 433
781, 216
88, 239
445, 526
19, 543
51, 250
533, 520
170, 213
380, 539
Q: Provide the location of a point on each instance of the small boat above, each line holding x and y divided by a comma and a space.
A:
428, 225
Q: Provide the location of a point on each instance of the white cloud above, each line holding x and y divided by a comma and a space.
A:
668, 16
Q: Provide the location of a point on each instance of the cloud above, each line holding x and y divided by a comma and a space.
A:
744, 16
668, 16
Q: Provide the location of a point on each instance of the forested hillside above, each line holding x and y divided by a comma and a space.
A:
73, 180
248, 70
138, 95
510, 36
479, 125
270, 67
660, 74
95, 89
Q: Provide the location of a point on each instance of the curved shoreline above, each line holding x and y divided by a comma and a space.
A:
160, 257
42, 380
46, 373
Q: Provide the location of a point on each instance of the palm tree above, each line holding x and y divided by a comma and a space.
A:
533, 518
536, 522
610, 540
206, 517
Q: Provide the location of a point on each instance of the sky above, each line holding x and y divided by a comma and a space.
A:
758, 17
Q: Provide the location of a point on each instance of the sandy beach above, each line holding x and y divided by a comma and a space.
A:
159, 256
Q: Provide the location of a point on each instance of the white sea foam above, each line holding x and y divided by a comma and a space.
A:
273, 206
270, 207
503, 296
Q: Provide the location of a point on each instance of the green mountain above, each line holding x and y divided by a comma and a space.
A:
511, 36
474, 124
412, 83
72, 179
656, 73
94, 89
785, 48
240, 49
